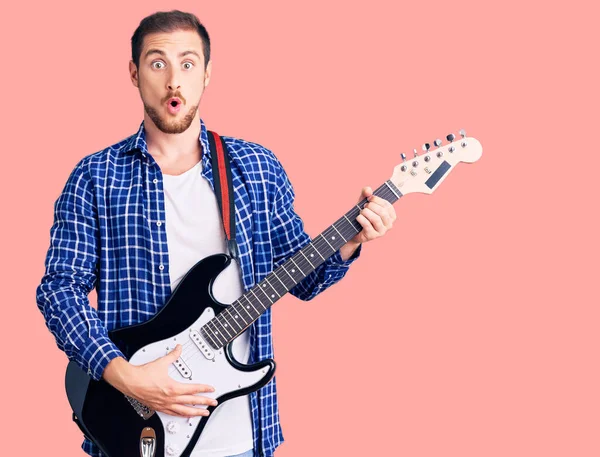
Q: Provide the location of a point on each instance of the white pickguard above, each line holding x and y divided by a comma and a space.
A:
217, 372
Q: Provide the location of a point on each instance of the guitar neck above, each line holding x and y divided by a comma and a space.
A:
228, 324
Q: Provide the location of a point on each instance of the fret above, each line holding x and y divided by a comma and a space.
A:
278, 279
338, 232
333, 238
214, 330
288, 273
393, 191
223, 326
252, 304
303, 263
208, 337
266, 280
283, 279
293, 271
259, 302
307, 259
328, 243
354, 227
325, 250
237, 311
234, 318
266, 295
274, 296
310, 246
299, 269
245, 310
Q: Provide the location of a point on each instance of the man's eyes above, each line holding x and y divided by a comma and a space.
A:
154, 64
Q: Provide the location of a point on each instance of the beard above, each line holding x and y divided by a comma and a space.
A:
166, 125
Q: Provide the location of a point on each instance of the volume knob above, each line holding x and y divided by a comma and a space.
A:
172, 449
172, 427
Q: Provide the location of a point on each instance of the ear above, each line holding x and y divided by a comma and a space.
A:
133, 73
207, 73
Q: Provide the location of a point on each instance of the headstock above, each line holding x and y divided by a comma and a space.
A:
424, 173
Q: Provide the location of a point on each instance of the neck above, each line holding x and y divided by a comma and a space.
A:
173, 147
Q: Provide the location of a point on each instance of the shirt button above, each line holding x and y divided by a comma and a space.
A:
159, 223
161, 267
155, 180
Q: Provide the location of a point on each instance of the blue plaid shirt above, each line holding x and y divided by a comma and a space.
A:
109, 232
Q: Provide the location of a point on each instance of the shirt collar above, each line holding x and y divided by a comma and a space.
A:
137, 142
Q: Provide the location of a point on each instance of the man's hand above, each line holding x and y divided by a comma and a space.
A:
151, 384
376, 218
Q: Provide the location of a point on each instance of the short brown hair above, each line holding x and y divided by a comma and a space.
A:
167, 22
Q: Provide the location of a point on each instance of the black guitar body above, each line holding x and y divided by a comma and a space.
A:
106, 416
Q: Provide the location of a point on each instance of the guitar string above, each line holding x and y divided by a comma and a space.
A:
319, 243
303, 265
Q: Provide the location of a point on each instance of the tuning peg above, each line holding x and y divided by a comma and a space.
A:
462, 133
415, 152
403, 157
450, 137
437, 143
426, 147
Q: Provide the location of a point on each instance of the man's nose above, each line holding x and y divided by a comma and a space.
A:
173, 81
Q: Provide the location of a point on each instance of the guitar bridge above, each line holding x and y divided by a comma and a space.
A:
144, 412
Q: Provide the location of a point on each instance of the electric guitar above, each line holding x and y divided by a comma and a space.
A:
123, 427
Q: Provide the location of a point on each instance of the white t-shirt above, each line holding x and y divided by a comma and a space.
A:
194, 231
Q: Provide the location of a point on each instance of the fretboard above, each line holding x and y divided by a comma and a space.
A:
231, 322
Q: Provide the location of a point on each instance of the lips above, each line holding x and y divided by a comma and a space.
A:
174, 105
174, 101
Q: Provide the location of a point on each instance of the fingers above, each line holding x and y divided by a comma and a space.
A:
173, 355
368, 230
365, 192
186, 411
381, 202
191, 389
195, 400
374, 219
383, 209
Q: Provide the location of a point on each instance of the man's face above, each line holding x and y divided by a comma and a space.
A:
171, 66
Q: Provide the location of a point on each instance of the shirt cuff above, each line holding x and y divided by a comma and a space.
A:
336, 259
97, 354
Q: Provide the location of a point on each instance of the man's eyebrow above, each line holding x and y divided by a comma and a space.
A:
162, 53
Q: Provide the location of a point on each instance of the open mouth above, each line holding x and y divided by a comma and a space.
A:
174, 105
174, 102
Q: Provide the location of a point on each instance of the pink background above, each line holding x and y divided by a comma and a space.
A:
471, 329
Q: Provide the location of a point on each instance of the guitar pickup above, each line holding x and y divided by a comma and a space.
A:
202, 345
183, 369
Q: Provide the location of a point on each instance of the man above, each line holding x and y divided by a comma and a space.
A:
134, 217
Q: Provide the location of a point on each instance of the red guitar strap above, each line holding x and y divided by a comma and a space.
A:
223, 188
